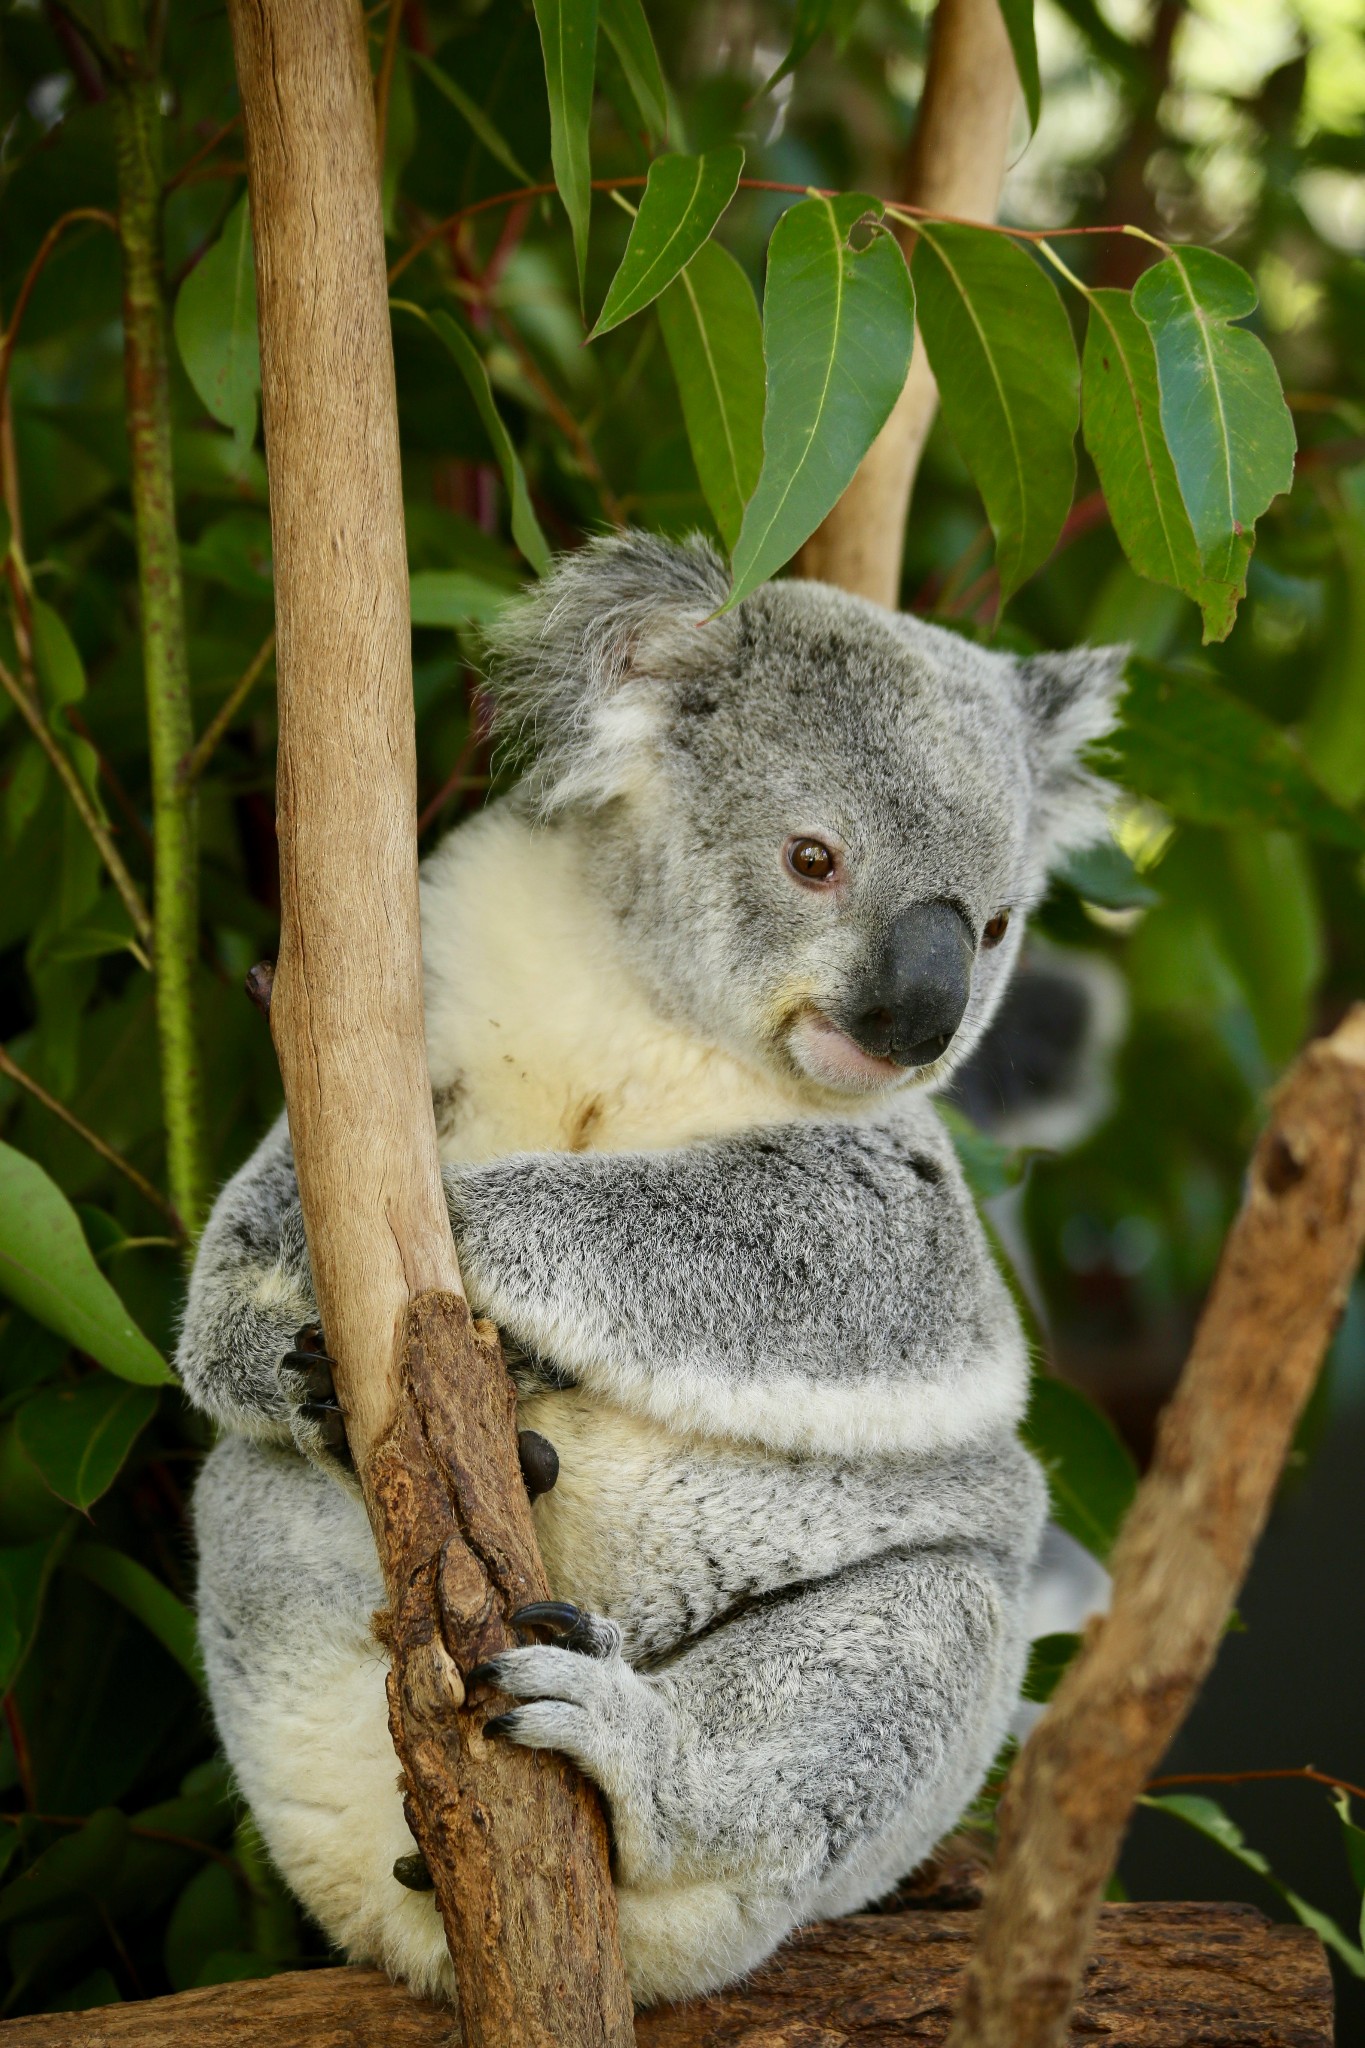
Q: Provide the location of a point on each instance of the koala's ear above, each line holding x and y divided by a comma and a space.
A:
1069, 702
576, 665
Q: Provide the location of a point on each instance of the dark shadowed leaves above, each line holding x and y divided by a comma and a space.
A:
215, 328
488, 134
78, 1437
684, 198
154, 1604
1091, 1475
714, 339
813, 18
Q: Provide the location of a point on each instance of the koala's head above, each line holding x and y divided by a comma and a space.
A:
820, 824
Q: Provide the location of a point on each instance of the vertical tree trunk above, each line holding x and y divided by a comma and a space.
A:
956, 164
514, 1840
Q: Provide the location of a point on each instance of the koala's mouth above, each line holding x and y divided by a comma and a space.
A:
830, 1056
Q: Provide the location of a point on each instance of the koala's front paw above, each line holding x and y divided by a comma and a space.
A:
316, 1422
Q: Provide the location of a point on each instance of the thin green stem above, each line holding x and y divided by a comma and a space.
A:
162, 604
25, 1080
197, 760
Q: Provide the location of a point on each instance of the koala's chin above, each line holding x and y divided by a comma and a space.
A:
832, 1059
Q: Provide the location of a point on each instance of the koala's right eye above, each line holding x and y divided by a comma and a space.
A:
810, 860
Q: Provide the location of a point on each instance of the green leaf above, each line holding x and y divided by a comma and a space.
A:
473, 113
1207, 1817
714, 339
1222, 410
1104, 874
1024, 43
207, 1919
988, 1166
78, 1437
1001, 350
1121, 404
684, 198
452, 597
1191, 746
102, 929
47, 1267
1091, 1476
1354, 1837
61, 675
568, 40
625, 23
525, 526
154, 1605
838, 327
813, 18
215, 328
1048, 1659
25, 1571
81, 1865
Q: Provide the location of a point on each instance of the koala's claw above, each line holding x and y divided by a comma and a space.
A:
500, 1724
590, 1635
552, 1614
306, 1371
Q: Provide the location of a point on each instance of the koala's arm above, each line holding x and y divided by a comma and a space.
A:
809, 1285
250, 1293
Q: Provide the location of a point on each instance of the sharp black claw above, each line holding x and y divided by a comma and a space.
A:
414, 1872
556, 1614
482, 1674
539, 1462
500, 1724
316, 1373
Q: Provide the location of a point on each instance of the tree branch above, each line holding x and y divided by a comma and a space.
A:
956, 165
1183, 1552
514, 1841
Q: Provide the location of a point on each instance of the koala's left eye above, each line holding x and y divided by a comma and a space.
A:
810, 860
996, 927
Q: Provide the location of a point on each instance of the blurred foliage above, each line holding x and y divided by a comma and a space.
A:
1230, 902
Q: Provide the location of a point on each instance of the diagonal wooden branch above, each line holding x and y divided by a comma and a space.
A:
1183, 1552
956, 164
515, 1842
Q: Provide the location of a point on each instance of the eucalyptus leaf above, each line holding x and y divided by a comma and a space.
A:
813, 19
568, 40
215, 328
1223, 413
1194, 748
626, 25
1048, 1659
684, 198
484, 129
838, 328
1002, 353
1024, 43
1091, 1475
714, 337
154, 1604
25, 1572
78, 1866
1354, 1837
61, 676
453, 597
1104, 874
47, 1267
78, 1437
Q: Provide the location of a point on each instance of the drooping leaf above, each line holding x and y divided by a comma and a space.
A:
1002, 353
838, 328
1222, 410
1121, 404
1354, 1838
526, 530
474, 115
684, 198
61, 676
1048, 1659
80, 1865
1104, 874
1024, 43
568, 40
1207, 1817
714, 339
154, 1604
452, 597
78, 1437
1091, 1475
1200, 752
624, 22
25, 1572
47, 1267
215, 328
813, 18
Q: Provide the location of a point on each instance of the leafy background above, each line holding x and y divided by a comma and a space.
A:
1230, 901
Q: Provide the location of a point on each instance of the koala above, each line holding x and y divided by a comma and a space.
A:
690, 989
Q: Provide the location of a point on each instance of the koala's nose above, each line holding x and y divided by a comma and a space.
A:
913, 998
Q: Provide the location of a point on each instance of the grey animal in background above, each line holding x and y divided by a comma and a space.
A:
689, 990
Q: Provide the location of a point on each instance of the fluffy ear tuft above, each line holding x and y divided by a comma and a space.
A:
578, 667
1070, 701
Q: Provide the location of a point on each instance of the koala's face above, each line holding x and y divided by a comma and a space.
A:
821, 824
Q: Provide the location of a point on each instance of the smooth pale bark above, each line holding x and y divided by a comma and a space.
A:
1183, 1552
515, 1842
956, 165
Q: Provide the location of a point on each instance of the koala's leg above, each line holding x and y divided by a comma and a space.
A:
789, 1764
288, 1582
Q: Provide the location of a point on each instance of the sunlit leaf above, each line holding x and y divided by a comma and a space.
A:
624, 22
714, 339
1222, 410
473, 114
1024, 43
684, 198
525, 526
215, 328
1091, 1475
154, 1604
47, 1267
568, 39
1204, 755
838, 327
78, 1437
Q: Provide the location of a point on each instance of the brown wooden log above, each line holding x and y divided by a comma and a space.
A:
1160, 1977
1183, 1551
955, 165
515, 1842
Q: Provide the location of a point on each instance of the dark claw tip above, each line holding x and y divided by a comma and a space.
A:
500, 1724
311, 1339
482, 1674
539, 1461
560, 1614
413, 1872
